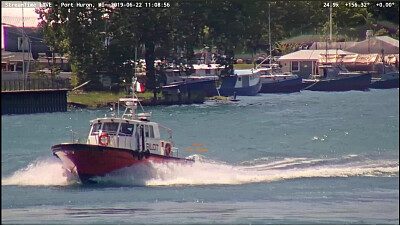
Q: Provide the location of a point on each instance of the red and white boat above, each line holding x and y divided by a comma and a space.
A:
117, 142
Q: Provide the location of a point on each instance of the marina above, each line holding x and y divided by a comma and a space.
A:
200, 112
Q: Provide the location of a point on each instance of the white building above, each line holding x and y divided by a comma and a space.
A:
305, 62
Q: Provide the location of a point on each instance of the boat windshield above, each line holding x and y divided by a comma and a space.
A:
126, 129
96, 127
111, 128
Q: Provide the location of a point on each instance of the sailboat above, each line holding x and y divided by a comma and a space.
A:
273, 80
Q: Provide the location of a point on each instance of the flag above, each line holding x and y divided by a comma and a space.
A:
139, 87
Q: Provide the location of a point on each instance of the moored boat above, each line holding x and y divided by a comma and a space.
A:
388, 79
203, 87
337, 78
275, 81
202, 79
117, 142
244, 82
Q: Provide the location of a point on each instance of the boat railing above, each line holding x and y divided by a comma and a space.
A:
169, 131
76, 138
174, 151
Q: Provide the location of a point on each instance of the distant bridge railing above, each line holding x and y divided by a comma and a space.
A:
35, 84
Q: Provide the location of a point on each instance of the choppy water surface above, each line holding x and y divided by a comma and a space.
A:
302, 158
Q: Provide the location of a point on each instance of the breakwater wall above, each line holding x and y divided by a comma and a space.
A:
33, 101
27, 96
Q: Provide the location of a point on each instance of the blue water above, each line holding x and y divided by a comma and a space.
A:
301, 158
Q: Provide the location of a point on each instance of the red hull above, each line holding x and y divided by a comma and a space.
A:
94, 160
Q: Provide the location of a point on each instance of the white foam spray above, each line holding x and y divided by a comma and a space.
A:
45, 172
206, 171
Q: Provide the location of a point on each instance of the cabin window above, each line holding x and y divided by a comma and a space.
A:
96, 128
110, 127
151, 132
126, 129
208, 71
240, 79
148, 131
295, 66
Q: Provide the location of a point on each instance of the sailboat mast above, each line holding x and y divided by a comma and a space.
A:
134, 78
22, 45
330, 24
269, 32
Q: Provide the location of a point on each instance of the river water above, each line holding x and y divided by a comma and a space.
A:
301, 158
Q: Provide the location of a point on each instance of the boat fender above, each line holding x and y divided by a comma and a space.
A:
167, 149
106, 141
140, 155
147, 154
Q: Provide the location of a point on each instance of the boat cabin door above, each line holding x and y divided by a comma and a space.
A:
146, 139
141, 139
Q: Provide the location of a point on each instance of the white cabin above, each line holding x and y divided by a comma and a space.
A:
134, 132
247, 77
207, 69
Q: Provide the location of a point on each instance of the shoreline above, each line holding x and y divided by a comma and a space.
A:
148, 102
75, 105
98, 100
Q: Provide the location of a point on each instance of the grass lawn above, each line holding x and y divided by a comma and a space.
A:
97, 99
243, 66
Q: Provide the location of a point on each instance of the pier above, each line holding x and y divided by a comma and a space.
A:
34, 96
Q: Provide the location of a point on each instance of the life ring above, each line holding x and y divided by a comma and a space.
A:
147, 154
167, 149
107, 141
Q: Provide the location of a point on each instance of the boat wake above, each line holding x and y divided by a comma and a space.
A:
204, 171
44, 172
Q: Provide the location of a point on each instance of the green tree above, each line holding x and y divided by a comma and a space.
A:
175, 32
382, 32
76, 32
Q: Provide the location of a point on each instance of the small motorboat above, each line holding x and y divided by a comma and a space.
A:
116, 142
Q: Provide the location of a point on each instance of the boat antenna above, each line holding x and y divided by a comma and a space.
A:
135, 80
